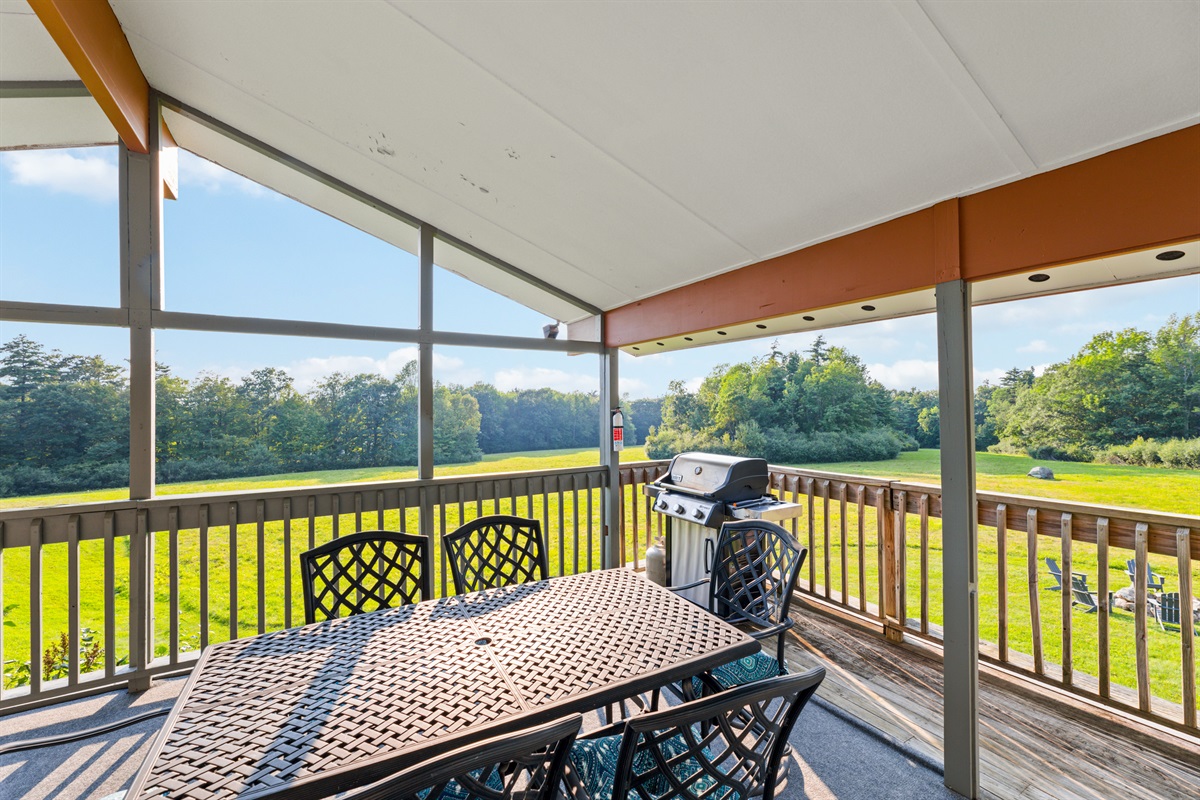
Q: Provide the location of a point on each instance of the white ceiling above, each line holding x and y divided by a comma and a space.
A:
619, 149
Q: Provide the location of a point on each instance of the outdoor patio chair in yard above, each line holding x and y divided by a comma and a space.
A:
1168, 612
527, 764
754, 573
1154, 581
724, 745
364, 572
496, 551
1082, 596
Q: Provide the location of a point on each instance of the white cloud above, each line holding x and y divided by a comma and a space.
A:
906, 374
1036, 346
198, 173
88, 175
507, 380
991, 376
693, 384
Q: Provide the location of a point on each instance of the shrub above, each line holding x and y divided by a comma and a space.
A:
1173, 453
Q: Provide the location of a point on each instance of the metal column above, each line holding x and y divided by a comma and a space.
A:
610, 459
960, 538
141, 199
425, 373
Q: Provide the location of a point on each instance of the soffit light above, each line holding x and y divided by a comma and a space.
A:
1170, 255
1039, 277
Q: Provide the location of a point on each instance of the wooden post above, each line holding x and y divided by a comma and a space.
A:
893, 626
1140, 535
1067, 597
1183, 552
1002, 576
1035, 612
1102, 591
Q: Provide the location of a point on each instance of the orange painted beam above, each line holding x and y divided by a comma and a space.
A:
1140, 196
89, 35
889, 258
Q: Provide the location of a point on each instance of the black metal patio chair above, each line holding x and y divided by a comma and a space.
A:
721, 747
496, 550
754, 572
364, 572
527, 765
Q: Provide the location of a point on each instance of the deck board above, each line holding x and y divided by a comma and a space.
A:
1030, 749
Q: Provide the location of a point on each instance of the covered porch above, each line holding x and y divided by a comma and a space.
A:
560, 165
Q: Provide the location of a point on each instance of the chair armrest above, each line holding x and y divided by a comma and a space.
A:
774, 630
691, 585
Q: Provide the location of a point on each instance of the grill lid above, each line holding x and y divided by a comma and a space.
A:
726, 478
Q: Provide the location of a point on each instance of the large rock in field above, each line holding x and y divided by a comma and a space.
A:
1045, 473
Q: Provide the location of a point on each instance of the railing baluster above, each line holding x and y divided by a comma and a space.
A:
203, 511
73, 599
862, 549
35, 606
233, 572
1102, 590
358, 511
1140, 535
110, 607
845, 555
562, 524
884, 523
633, 492
107, 600
335, 510
923, 510
260, 513
809, 492
312, 521
173, 573
1068, 668
902, 560
287, 561
825, 554
1035, 613
591, 542
440, 540
1002, 577
379, 510
575, 519
1183, 545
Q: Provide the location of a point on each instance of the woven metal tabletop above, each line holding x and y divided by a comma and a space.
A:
298, 711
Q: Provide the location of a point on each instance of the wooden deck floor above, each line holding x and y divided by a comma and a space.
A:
1033, 745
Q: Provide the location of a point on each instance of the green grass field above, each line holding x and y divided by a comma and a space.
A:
1162, 490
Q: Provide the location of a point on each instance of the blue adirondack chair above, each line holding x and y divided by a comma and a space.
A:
1154, 581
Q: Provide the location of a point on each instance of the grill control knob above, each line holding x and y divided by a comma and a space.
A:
662, 504
698, 514
679, 508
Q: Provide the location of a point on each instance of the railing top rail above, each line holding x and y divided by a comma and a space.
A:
1064, 506
833, 477
296, 490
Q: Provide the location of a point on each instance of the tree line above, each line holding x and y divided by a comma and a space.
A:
1127, 396
64, 422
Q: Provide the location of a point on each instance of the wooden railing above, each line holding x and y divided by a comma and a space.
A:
176, 573
874, 551
148, 584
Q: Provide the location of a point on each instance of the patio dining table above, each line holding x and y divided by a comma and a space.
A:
306, 712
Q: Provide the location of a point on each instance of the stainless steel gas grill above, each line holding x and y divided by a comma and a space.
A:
698, 493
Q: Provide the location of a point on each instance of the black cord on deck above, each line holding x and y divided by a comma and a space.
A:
86, 733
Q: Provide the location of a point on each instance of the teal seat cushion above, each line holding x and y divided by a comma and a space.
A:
757, 667
595, 762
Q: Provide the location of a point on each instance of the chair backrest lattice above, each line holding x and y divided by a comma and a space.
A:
754, 572
496, 550
365, 571
527, 765
726, 745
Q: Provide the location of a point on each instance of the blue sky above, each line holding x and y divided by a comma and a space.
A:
235, 248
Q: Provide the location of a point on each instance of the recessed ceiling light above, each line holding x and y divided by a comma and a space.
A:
635, 347
761, 327
688, 339
660, 344
809, 319
1039, 277
721, 333
868, 308
1170, 255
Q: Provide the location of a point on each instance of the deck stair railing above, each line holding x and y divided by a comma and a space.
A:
875, 552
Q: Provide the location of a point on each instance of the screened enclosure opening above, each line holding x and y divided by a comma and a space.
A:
237, 248
59, 237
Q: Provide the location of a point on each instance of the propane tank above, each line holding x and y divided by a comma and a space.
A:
656, 563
